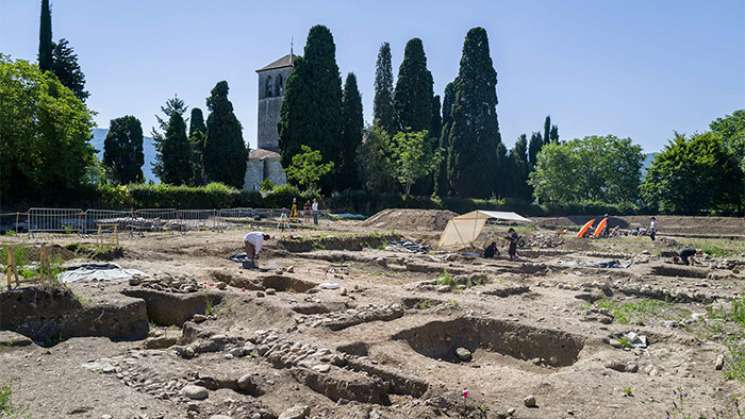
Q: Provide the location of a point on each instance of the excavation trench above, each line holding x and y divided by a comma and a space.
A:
440, 339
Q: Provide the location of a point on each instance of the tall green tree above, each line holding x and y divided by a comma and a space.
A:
373, 161
65, 66
46, 46
605, 169
474, 136
694, 176
306, 168
534, 147
554, 134
44, 137
225, 152
519, 169
197, 139
352, 127
174, 161
412, 99
412, 157
311, 108
442, 188
435, 126
547, 130
122, 150
383, 113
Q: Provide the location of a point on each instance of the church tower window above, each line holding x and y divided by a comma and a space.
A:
268, 86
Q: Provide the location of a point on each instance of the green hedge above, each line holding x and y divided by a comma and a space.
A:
216, 195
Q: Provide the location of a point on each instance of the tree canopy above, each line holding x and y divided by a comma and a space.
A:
46, 46
225, 152
605, 169
412, 157
412, 99
174, 161
65, 66
122, 153
694, 176
306, 168
474, 135
44, 134
383, 112
197, 139
352, 126
311, 109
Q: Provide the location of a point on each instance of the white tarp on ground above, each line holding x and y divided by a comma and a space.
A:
98, 272
464, 229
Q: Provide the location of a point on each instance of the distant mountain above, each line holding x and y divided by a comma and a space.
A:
148, 148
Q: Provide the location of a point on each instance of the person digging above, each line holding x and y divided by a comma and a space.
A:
253, 242
687, 254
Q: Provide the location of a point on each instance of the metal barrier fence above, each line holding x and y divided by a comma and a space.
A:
74, 220
94, 217
67, 220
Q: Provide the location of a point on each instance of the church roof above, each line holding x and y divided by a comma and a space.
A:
286, 61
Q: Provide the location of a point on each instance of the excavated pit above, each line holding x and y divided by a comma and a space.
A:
440, 339
287, 283
350, 243
680, 271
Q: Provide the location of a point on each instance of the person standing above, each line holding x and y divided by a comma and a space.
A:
253, 242
513, 239
652, 228
306, 213
314, 207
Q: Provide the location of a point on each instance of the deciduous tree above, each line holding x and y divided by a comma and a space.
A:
44, 134
306, 168
412, 157
694, 176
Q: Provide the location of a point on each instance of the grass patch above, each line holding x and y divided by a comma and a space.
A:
9, 409
625, 313
423, 305
445, 279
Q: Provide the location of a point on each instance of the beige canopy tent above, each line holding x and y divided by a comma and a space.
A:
464, 229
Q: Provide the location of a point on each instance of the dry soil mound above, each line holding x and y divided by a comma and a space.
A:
410, 219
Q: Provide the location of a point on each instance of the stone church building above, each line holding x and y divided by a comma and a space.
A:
264, 162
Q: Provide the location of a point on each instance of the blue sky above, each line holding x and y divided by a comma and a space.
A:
638, 69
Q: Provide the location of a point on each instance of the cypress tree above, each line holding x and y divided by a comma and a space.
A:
173, 163
547, 130
225, 151
436, 124
197, 138
352, 127
474, 135
441, 172
554, 134
122, 150
65, 66
383, 103
535, 145
45, 38
519, 169
311, 109
412, 99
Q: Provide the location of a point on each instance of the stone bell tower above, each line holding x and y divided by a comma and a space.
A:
264, 162
272, 79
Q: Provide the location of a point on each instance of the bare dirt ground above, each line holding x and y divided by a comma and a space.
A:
402, 337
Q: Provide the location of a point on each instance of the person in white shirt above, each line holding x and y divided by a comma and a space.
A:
652, 228
314, 208
253, 242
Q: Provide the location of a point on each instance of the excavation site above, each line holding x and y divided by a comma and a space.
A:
372, 319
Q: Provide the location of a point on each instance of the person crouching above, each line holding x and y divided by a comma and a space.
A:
253, 242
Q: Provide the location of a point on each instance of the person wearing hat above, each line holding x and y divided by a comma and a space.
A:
253, 241
652, 228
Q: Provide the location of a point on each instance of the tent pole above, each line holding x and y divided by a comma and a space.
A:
460, 237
